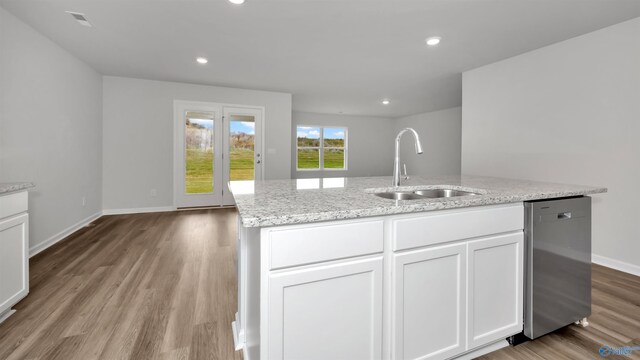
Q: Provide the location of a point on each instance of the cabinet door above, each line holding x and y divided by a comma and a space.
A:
14, 260
325, 312
495, 288
429, 303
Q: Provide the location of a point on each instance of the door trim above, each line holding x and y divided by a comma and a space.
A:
179, 107
258, 113
177, 122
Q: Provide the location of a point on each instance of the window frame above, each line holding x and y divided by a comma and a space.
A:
321, 148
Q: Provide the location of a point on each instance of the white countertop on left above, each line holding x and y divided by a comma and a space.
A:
11, 187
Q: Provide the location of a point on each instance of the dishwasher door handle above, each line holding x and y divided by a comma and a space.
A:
564, 215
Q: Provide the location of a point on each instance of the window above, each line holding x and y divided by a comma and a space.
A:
321, 148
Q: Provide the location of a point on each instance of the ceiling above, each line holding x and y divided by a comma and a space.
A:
334, 56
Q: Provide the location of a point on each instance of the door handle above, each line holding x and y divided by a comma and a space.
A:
564, 215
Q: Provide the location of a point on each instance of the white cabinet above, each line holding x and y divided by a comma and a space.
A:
301, 245
14, 251
433, 285
457, 281
429, 303
331, 311
495, 288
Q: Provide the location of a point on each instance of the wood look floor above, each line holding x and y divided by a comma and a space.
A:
163, 286
614, 321
147, 286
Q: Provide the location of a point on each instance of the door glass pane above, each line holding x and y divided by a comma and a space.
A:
242, 147
199, 129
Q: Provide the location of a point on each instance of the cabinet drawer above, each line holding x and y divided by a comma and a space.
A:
311, 244
13, 204
440, 227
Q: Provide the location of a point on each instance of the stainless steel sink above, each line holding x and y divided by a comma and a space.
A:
400, 195
440, 193
423, 194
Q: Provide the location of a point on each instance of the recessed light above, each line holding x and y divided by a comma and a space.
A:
386, 102
202, 60
433, 40
237, 2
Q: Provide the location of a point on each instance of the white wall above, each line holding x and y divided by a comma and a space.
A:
440, 137
369, 143
138, 136
570, 113
50, 128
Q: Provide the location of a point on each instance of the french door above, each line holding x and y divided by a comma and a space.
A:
214, 144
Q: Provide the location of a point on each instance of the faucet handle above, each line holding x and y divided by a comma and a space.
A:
404, 171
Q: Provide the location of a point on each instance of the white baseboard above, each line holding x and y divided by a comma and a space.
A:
483, 350
4, 316
236, 343
137, 210
616, 264
62, 234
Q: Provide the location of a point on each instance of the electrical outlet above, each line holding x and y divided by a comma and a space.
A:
84, 201
153, 192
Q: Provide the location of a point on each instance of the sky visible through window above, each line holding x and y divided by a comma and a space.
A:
247, 127
308, 132
314, 133
205, 123
334, 133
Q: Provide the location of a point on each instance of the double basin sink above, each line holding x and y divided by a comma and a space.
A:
423, 194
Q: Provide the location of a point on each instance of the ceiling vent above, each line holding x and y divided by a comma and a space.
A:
80, 18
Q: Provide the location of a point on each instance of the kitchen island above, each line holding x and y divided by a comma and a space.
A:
329, 270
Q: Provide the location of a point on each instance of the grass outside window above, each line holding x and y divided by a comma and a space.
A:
321, 148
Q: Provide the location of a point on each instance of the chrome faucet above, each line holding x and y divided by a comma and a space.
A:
396, 162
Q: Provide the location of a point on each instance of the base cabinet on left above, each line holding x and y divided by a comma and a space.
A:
333, 311
14, 261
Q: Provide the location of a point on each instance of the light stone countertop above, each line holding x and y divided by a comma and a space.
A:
297, 201
8, 188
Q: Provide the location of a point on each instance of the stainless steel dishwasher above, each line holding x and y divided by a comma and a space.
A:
557, 264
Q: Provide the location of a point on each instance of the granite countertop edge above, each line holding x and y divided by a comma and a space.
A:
408, 207
12, 187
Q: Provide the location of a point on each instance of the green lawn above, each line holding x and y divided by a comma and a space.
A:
334, 159
310, 159
241, 164
200, 169
200, 166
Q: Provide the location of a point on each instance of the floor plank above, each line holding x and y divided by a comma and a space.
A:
145, 286
614, 322
163, 286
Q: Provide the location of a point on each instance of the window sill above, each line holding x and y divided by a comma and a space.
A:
320, 170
